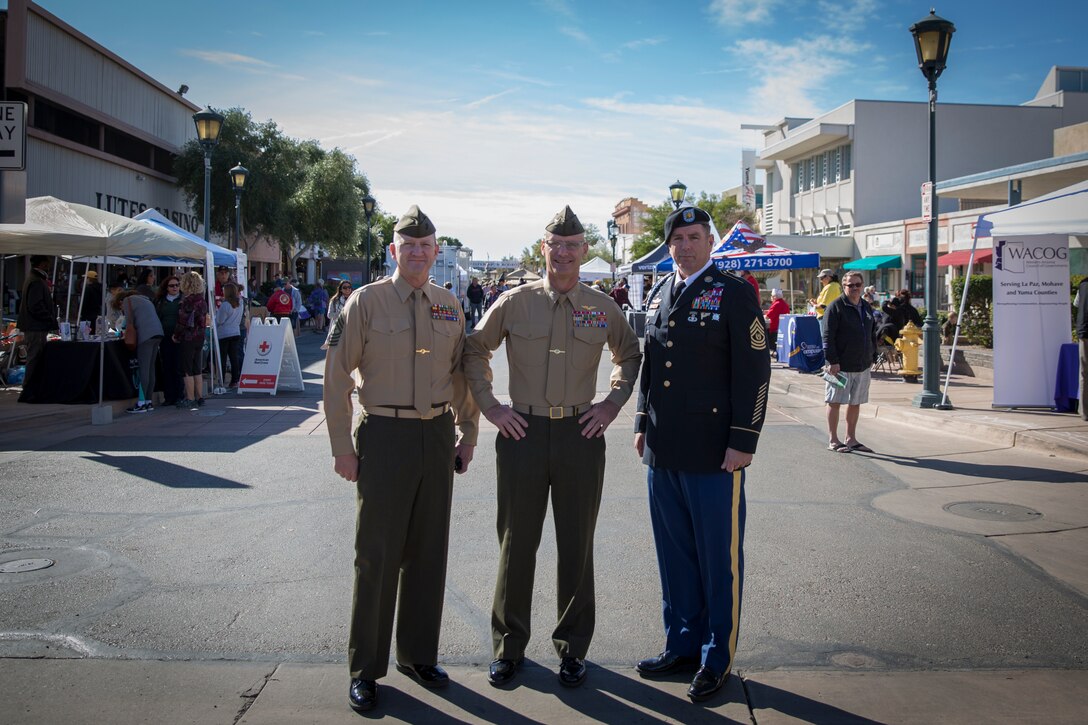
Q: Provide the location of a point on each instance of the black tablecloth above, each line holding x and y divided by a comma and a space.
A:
67, 372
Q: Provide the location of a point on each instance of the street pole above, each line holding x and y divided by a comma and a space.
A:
366, 277
237, 217
930, 395
207, 189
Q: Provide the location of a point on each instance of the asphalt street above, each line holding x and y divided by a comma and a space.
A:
198, 537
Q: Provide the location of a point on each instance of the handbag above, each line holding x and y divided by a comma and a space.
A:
130, 328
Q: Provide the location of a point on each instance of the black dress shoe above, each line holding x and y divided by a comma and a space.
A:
430, 676
666, 664
362, 694
502, 671
572, 671
705, 684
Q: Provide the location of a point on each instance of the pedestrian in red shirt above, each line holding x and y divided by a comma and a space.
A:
778, 308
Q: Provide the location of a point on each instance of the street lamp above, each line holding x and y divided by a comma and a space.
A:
368, 210
238, 181
677, 191
932, 36
613, 229
208, 125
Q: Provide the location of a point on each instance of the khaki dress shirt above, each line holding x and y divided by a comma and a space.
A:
545, 330
372, 348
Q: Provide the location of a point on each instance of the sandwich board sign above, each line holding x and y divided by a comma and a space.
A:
271, 362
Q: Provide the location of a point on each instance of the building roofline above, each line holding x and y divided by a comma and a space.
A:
1011, 172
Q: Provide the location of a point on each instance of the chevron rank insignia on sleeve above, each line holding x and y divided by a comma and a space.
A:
757, 335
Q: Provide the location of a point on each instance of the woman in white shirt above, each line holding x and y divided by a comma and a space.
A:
228, 327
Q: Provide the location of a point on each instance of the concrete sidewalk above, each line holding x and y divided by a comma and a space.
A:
262, 693
1040, 431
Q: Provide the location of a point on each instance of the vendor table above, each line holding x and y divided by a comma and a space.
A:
800, 342
67, 372
1066, 384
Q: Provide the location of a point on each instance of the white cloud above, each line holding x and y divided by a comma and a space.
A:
488, 99
801, 73
642, 43
847, 16
733, 12
575, 33
686, 113
559, 7
226, 58
517, 77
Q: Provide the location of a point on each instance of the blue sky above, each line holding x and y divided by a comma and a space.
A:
493, 115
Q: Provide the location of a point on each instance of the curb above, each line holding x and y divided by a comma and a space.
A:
1048, 441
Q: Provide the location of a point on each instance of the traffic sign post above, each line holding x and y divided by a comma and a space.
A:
927, 201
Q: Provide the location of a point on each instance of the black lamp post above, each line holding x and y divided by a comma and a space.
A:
677, 192
208, 125
932, 36
238, 181
613, 234
368, 211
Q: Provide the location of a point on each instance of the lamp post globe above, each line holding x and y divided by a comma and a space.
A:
677, 192
613, 229
238, 182
932, 39
208, 125
368, 211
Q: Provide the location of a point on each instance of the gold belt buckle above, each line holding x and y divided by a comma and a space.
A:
555, 412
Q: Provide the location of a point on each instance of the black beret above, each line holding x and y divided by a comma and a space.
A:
685, 216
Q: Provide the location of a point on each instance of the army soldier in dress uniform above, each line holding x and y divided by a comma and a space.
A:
702, 400
552, 440
403, 339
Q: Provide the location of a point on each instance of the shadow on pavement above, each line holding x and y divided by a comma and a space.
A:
804, 709
164, 473
981, 471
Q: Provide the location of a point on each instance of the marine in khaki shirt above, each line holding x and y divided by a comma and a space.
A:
399, 342
552, 440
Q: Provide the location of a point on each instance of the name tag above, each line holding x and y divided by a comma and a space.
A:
590, 318
444, 312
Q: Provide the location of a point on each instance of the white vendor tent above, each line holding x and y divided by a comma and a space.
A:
594, 269
56, 227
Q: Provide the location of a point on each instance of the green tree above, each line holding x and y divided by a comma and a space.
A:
724, 212
450, 241
327, 204
532, 258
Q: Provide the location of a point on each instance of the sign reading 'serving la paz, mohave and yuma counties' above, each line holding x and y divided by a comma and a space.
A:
1031, 317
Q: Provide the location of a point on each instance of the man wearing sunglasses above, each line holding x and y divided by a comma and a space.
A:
551, 442
850, 348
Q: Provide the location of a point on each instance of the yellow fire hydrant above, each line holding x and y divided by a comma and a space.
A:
910, 339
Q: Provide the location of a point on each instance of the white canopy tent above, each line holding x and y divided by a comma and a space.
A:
1064, 211
56, 227
594, 269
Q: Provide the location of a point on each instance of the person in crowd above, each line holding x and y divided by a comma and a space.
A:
850, 348
870, 296
404, 500
279, 303
113, 313
292, 289
778, 307
551, 440
37, 316
493, 292
319, 305
91, 307
222, 276
140, 313
1081, 301
948, 329
900, 311
228, 328
620, 294
189, 329
167, 302
701, 406
343, 292
830, 290
145, 283
751, 279
475, 294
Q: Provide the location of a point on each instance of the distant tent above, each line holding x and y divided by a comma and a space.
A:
595, 268
648, 262
521, 274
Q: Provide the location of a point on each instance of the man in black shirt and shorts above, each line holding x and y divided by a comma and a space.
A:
850, 347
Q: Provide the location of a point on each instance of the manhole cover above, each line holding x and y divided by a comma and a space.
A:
24, 565
209, 413
992, 511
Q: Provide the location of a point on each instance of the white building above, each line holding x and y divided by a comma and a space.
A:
857, 170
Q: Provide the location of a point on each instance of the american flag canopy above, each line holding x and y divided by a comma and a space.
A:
743, 248
741, 236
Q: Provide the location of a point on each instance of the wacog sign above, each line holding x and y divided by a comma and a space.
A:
1031, 318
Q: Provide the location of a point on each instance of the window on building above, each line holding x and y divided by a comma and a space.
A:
795, 178
62, 122
821, 167
127, 147
810, 174
163, 161
1073, 80
917, 279
844, 172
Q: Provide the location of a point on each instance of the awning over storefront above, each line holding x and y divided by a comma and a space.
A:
890, 261
963, 256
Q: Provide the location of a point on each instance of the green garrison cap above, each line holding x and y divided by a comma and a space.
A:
565, 223
414, 224
685, 216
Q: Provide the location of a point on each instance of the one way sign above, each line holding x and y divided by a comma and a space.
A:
12, 136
